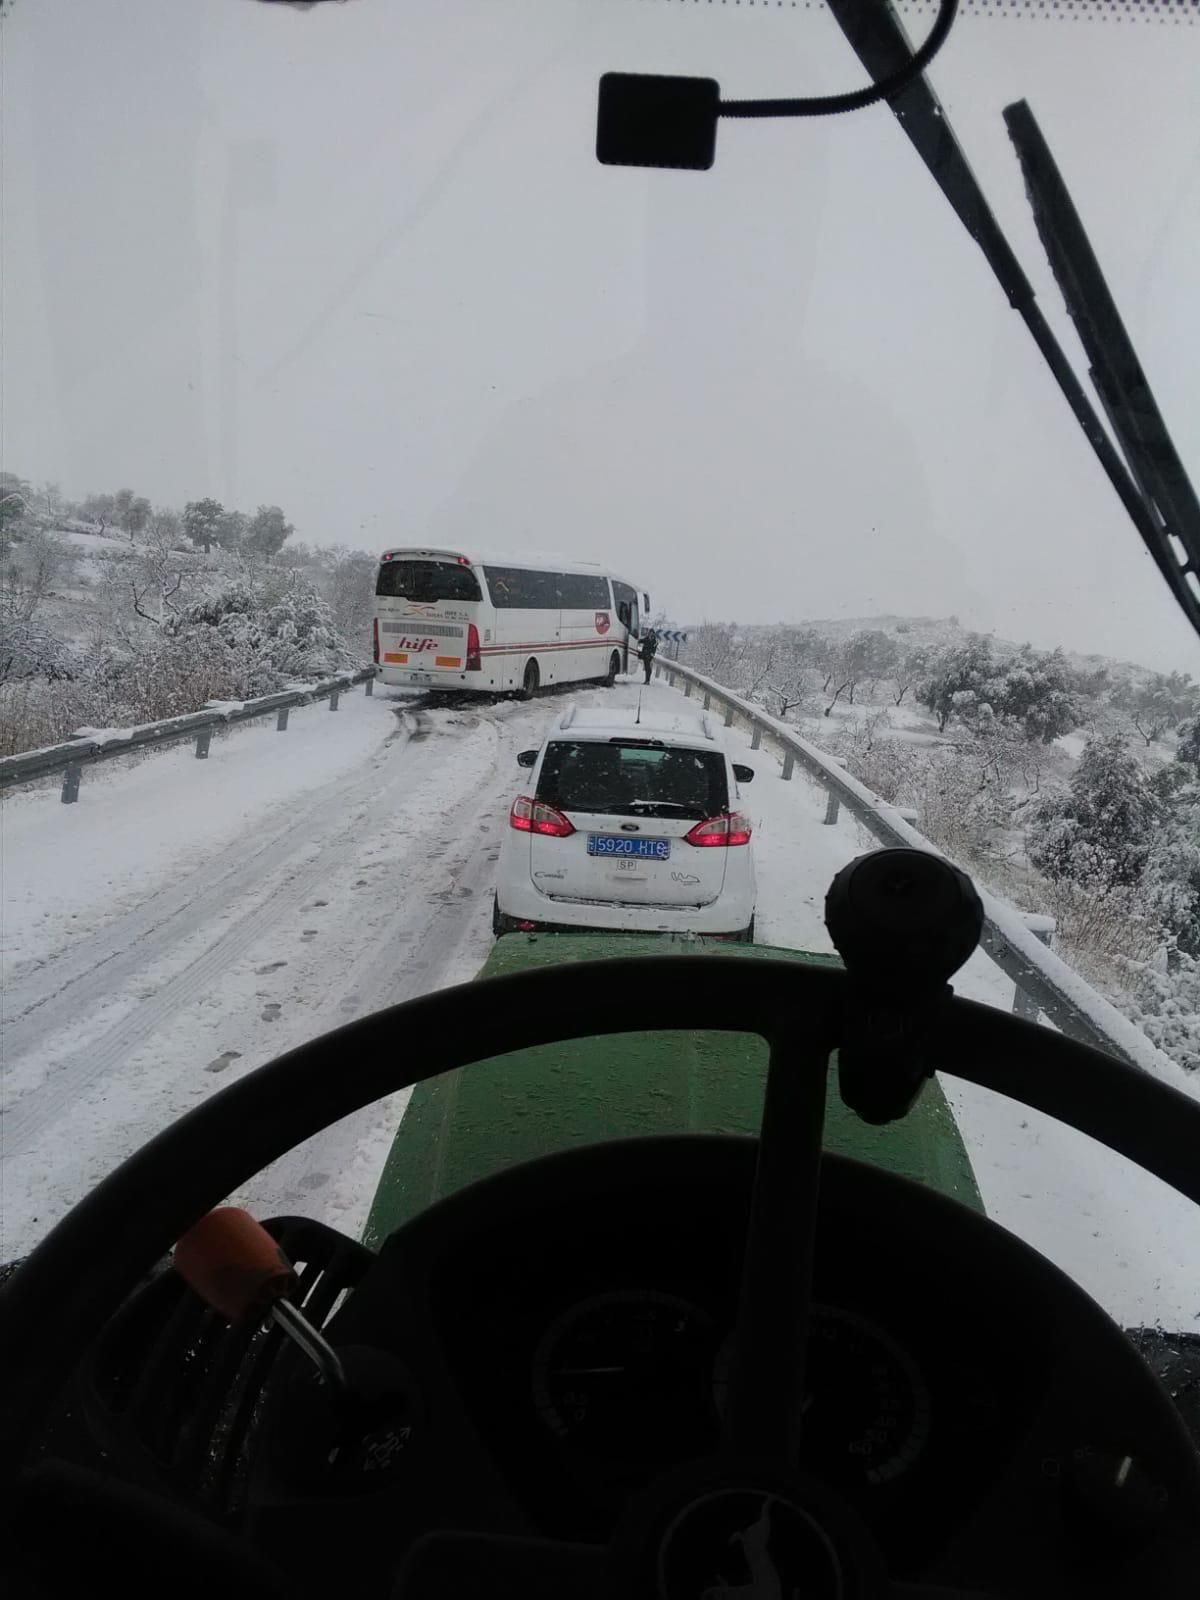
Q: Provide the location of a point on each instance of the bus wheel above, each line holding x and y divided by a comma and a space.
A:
533, 677
614, 666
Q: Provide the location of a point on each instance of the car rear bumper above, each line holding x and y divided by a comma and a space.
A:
730, 913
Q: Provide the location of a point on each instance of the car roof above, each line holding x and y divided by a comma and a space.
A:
678, 727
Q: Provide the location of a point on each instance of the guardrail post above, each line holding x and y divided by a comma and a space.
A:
203, 740
789, 763
282, 719
729, 716
687, 689
70, 788
756, 742
707, 699
369, 686
333, 700
1024, 1005
832, 807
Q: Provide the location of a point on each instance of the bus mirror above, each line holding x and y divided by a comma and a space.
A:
527, 758
743, 774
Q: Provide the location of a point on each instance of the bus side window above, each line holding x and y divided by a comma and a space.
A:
623, 613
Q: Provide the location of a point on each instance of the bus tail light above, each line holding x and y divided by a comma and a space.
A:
474, 663
534, 816
375, 638
731, 827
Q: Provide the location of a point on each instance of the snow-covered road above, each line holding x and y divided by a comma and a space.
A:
187, 921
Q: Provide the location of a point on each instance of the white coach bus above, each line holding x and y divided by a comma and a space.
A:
446, 619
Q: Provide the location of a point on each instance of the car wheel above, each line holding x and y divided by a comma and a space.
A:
529, 685
614, 666
500, 923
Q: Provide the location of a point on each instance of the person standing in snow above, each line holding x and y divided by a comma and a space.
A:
649, 649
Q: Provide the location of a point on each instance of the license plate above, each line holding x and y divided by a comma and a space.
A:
611, 844
420, 677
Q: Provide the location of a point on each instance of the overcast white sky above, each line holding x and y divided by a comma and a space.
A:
361, 261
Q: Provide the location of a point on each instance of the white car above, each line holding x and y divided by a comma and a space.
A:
632, 825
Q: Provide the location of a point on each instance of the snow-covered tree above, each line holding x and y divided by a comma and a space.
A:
33, 562
1187, 751
267, 531
202, 521
1036, 690
958, 680
16, 500
98, 508
911, 663
231, 529
130, 511
1158, 702
1099, 832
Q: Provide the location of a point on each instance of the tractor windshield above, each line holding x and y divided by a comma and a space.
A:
288, 287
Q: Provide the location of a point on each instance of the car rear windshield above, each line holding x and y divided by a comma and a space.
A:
427, 581
633, 778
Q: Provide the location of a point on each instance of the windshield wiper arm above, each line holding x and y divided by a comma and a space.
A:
669, 805
875, 34
1116, 373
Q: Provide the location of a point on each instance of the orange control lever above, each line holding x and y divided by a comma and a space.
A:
234, 1264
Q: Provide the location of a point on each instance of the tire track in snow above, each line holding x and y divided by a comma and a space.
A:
412, 929
92, 969
26, 1118
325, 1175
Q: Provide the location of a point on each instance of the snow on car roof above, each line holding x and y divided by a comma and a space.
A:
597, 724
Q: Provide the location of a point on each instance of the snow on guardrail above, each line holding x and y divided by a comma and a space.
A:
90, 745
1009, 937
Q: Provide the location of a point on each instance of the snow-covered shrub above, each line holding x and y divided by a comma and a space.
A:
163, 677
268, 634
1099, 833
890, 769
30, 649
1166, 1006
1098, 924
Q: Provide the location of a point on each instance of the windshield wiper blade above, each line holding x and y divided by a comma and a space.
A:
876, 36
1116, 372
668, 805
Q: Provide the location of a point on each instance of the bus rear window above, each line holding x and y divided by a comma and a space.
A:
427, 581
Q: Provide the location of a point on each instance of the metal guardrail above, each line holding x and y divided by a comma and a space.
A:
90, 746
1044, 982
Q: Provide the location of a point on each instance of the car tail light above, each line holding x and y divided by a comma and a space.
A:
533, 816
731, 827
375, 637
474, 664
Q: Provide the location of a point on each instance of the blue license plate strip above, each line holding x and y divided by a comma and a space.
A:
612, 844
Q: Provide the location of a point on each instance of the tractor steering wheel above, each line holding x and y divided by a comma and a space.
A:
59, 1300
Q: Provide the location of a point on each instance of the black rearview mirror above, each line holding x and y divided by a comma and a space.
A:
743, 774
527, 758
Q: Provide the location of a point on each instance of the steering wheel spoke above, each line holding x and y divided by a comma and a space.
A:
766, 1386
